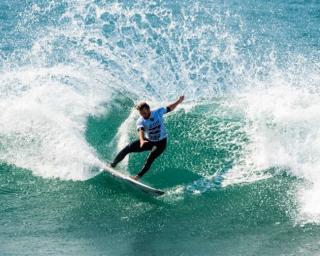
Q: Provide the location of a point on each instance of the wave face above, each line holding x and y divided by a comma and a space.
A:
243, 158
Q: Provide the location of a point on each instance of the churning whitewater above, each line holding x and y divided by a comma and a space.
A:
241, 169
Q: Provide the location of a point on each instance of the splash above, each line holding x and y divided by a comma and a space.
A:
282, 116
81, 54
78, 55
44, 121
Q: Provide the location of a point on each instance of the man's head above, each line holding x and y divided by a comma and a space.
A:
144, 109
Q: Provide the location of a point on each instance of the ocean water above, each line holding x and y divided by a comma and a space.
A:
242, 167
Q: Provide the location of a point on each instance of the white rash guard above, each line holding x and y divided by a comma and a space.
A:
154, 128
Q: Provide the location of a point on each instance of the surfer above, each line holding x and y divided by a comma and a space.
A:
152, 135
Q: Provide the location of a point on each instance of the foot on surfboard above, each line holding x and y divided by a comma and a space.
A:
111, 164
135, 177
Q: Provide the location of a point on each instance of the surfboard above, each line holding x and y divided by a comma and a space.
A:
136, 184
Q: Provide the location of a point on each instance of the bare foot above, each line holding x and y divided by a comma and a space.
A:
135, 177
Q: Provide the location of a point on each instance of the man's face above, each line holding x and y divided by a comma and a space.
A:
145, 113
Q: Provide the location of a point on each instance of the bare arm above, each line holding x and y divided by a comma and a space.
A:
141, 137
176, 103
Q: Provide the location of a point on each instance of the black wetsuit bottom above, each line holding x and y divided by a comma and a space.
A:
156, 147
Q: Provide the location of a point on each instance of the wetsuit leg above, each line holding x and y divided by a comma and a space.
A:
132, 147
156, 151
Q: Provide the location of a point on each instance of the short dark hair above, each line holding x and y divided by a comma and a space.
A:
142, 105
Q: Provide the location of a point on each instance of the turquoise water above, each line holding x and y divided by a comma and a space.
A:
241, 170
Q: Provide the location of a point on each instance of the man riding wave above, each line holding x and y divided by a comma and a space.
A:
152, 135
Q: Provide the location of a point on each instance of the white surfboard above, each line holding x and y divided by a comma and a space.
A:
137, 184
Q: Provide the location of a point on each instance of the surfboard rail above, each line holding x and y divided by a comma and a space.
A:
137, 184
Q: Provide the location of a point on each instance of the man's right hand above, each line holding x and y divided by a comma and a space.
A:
181, 98
142, 142
175, 104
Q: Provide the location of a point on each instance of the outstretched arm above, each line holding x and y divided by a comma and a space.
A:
175, 104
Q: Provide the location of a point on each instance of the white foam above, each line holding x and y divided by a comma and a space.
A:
283, 126
44, 120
